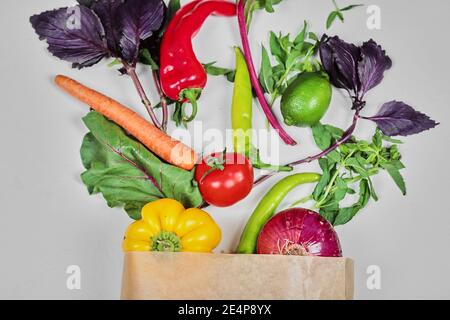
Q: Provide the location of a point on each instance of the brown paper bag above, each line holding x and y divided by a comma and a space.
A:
197, 276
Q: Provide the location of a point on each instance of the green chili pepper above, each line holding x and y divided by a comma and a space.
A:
267, 206
241, 111
241, 116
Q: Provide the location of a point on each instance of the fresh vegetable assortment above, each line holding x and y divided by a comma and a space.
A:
164, 185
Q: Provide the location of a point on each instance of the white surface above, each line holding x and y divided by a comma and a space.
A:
49, 222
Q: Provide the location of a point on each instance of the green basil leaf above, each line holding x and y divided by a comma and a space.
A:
145, 57
268, 6
324, 180
351, 7
340, 194
330, 213
354, 164
373, 193
322, 136
266, 74
301, 37
334, 156
122, 169
397, 164
394, 172
313, 36
377, 139
331, 18
391, 140
292, 58
212, 70
364, 193
364, 146
335, 132
275, 48
345, 215
172, 8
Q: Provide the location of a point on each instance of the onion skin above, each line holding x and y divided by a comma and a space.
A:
299, 232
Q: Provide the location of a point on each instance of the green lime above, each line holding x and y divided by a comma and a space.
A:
306, 100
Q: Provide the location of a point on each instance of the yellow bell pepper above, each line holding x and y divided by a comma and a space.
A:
167, 226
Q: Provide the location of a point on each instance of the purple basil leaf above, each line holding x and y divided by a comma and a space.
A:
372, 66
139, 19
340, 60
396, 118
107, 11
73, 34
326, 56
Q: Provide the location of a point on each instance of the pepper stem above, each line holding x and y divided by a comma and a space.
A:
191, 95
166, 242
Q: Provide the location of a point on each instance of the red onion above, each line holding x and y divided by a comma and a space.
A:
299, 232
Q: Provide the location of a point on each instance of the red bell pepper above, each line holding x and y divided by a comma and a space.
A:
182, 76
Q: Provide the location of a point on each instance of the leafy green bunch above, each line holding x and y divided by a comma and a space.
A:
349, 166
292, 56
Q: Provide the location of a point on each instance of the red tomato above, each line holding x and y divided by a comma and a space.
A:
223, 188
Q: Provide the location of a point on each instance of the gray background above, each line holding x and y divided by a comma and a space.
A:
49, 222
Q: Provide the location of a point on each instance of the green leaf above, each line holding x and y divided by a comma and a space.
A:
114, 62
172, 8
254, 5
324, 180
301, 37
145, 57
357, 167
377, 139
275, 48
373, 193
351, 7
331, 18
394, 171
322, 136
122, 170
341, 191
285, 42
348, 213
292, 58
364, 193
278, 72
391, 140
266, 75
313, 36
213, 70
336, 132
268, 6
330, 213
364, 146
334, 156
338, 13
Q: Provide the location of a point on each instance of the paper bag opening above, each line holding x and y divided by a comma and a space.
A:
197, 276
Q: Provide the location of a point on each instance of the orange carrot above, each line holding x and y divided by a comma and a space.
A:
167, 148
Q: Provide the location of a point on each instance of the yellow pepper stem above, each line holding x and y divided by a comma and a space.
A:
166, 242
